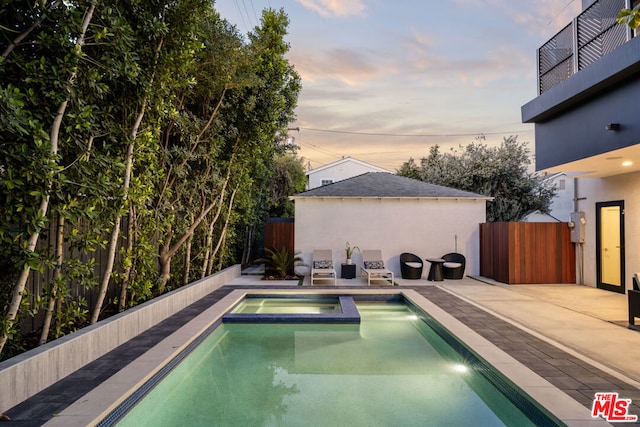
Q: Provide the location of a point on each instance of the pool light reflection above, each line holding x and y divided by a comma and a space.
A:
458, 367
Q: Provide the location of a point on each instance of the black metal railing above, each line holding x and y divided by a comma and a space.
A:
593, 34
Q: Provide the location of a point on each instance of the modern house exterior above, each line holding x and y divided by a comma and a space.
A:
394, 214
344, 168
587, 125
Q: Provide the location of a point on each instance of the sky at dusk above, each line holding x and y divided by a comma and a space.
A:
383, 81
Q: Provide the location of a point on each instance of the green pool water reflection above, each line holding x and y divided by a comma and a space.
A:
391, 370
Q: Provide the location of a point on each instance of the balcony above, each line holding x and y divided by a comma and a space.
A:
591, 35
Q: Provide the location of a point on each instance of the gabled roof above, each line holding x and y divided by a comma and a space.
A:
346, 160
386, 185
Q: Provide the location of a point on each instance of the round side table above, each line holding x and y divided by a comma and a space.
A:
435, 272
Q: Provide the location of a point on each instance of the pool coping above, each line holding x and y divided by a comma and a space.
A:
348, 314
99, 402
33, 371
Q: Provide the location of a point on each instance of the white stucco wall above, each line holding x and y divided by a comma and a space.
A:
340, 171
562, 204
425, 227
622, 187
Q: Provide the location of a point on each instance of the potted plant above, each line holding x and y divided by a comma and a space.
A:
349, 251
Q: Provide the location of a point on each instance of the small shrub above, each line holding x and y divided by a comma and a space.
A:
281, 261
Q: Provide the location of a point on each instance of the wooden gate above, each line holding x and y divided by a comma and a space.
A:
527, 252
279, 233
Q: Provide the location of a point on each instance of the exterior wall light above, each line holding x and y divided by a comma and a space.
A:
613, 126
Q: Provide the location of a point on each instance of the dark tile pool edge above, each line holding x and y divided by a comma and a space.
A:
348, 314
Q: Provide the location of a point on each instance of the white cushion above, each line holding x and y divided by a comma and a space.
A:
452, 264
414, 264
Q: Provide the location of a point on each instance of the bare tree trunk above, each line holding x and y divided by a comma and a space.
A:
56, 277
115, 233
206, 265
223, 234
18, 289
168, 251
224, 240
248, 242
113, 241
187, 261
122, 301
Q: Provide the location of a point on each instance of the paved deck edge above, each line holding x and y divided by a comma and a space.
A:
31, 372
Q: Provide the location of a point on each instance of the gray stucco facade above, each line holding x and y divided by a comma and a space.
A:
570, 118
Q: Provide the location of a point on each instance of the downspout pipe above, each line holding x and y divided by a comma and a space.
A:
579, 245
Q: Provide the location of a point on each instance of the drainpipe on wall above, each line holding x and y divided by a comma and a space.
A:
579, 247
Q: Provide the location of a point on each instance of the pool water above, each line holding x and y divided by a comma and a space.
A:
391, 370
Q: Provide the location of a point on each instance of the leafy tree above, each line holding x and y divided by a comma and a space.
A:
629, 17
288, 179
145, 130
233, 138
409, 169
166, 45
42, 71
500, 172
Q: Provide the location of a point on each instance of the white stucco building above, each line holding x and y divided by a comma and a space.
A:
337, 171
391, 213
562, 204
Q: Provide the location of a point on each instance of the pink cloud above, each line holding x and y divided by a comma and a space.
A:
332, 8
346, 65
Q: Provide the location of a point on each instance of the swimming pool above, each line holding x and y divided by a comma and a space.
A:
398, 367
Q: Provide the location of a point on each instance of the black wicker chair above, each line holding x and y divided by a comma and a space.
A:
410, 266
633, 296
454, 265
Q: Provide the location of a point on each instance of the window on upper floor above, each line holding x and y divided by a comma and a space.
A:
326, 182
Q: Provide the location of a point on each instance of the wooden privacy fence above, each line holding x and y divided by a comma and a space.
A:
278, 234
527, 252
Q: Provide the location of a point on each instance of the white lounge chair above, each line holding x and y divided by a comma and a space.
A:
373, 267
322, 266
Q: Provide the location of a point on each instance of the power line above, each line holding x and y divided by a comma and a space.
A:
246, 27
561, 10
254, 12
315, 147
244, 4
412, 135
